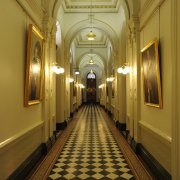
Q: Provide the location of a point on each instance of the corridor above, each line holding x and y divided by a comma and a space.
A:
91, 151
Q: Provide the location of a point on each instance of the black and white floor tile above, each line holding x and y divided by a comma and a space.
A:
91, 152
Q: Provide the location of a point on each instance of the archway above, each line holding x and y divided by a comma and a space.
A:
91, 87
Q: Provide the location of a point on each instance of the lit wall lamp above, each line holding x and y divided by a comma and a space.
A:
101, 86
71, 80
124, 69
81, 85
110, 79
76, 72
57, 69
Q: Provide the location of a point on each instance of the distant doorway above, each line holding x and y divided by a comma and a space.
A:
91, 88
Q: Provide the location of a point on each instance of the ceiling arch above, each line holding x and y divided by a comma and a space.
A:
96, 58
96, 53
96, 70
102, 26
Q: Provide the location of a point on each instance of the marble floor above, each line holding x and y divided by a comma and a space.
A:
91, 148
91, 152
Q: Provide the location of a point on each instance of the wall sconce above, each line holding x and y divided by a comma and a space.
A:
81, 85
124, 69
57, 69
71, 80
91, 61
101, 86
76, 72
110, 79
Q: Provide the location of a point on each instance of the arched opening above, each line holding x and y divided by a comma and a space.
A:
91, 87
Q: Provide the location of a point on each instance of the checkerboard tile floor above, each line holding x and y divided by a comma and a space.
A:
91, 152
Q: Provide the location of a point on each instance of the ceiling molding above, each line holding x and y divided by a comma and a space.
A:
86, 6
101, 26
34, 11
97, 56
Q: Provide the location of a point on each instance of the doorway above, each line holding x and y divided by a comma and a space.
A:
91, 88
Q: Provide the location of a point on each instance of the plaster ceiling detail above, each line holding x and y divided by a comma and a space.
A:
78, 17
95, 5
86, 70
84, 62
82, 41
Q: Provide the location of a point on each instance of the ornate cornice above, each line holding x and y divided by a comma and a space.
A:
85, 6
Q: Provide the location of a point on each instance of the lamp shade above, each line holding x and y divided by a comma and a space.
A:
91, 36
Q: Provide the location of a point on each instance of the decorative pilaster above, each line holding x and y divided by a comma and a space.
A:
134, 87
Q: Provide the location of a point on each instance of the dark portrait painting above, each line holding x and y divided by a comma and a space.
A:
151, 75
34, 67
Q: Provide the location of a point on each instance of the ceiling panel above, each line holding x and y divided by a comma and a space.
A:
88, 5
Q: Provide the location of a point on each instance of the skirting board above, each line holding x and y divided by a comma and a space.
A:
152, 163
23, 170
61, 126
26, 167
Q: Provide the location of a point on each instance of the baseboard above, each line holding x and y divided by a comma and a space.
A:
52, 139
152, 163
134, 146
61, 126
117, 124
129, 139
23, 170
71, 115
47, 146
122, 126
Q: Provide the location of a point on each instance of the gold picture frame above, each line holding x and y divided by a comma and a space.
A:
151, 75
34, 67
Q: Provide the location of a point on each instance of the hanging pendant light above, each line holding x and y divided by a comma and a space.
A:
91, 36
91, 61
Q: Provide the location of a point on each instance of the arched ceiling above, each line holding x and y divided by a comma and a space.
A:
104, 18
82, 41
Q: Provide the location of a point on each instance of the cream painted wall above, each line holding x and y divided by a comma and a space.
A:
155, 124
176, 84
14, 116
22, 129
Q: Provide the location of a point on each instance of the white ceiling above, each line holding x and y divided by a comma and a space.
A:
88, 5
103, 17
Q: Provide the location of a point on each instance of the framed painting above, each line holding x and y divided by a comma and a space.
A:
34, 67
151, 75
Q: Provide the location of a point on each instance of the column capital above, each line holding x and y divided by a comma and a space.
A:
133, 26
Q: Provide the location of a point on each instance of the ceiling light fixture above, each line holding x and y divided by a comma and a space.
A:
91, 36
91, 61
91, 71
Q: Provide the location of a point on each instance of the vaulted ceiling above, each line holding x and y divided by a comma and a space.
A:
104, 18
